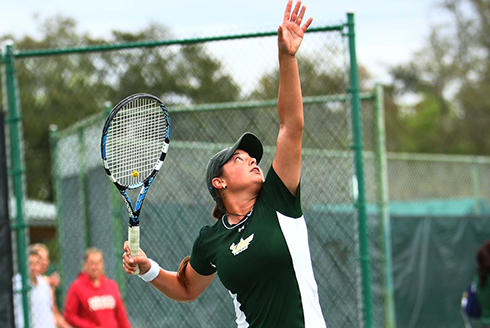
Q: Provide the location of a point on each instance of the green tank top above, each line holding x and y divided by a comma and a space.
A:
264, 261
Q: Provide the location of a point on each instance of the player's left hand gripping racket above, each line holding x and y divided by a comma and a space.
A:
134, 143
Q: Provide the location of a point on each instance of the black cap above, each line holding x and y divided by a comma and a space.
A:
247, 142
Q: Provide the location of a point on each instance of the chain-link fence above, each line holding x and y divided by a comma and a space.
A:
215, 89
421, 186
179, 204
440, 215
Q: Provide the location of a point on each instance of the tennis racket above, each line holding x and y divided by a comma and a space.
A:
134, 144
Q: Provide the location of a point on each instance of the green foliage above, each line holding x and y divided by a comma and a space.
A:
63, 89
314, 80
423, 125
450, 78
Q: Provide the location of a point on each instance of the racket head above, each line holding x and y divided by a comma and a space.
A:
135, 140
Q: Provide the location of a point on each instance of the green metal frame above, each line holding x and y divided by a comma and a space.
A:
475, 177
17, 171
82, 180
383, 206
53, 143
159, 43
357, 146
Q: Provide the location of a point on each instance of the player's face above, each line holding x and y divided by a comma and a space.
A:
242, 171
34, 264
44, 260
94, 265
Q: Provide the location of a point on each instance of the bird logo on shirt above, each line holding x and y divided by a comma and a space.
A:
242, 245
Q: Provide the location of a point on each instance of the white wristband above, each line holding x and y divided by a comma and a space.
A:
152, 273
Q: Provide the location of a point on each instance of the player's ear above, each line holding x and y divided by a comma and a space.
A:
218, 183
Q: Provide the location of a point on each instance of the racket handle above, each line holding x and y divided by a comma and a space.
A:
134, 244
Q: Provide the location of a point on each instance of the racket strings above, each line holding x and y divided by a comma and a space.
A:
135, 140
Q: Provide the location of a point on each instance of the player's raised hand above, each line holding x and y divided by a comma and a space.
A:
290, 33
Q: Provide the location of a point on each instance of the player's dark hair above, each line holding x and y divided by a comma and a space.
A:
483, 260
219, 208
181, 271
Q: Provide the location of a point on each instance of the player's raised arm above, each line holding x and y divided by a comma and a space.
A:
287, 162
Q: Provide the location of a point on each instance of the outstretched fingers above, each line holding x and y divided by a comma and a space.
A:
307, 24
290, 33
299, 19
287, 13
288, 17
294, 16
297, 15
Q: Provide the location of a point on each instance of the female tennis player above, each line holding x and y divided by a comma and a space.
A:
259, 244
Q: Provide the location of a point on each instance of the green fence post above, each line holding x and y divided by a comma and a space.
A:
55, 173
82, 180
359, 171
17, 172
383, 201
475, 182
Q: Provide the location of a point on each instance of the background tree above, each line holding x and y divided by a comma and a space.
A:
446, 82
318, 78
60, 89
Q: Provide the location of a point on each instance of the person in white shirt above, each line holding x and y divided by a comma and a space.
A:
40, 297
53, 280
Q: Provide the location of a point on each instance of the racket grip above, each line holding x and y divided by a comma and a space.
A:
134, 244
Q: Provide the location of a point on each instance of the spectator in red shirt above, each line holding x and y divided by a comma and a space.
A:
94, 301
